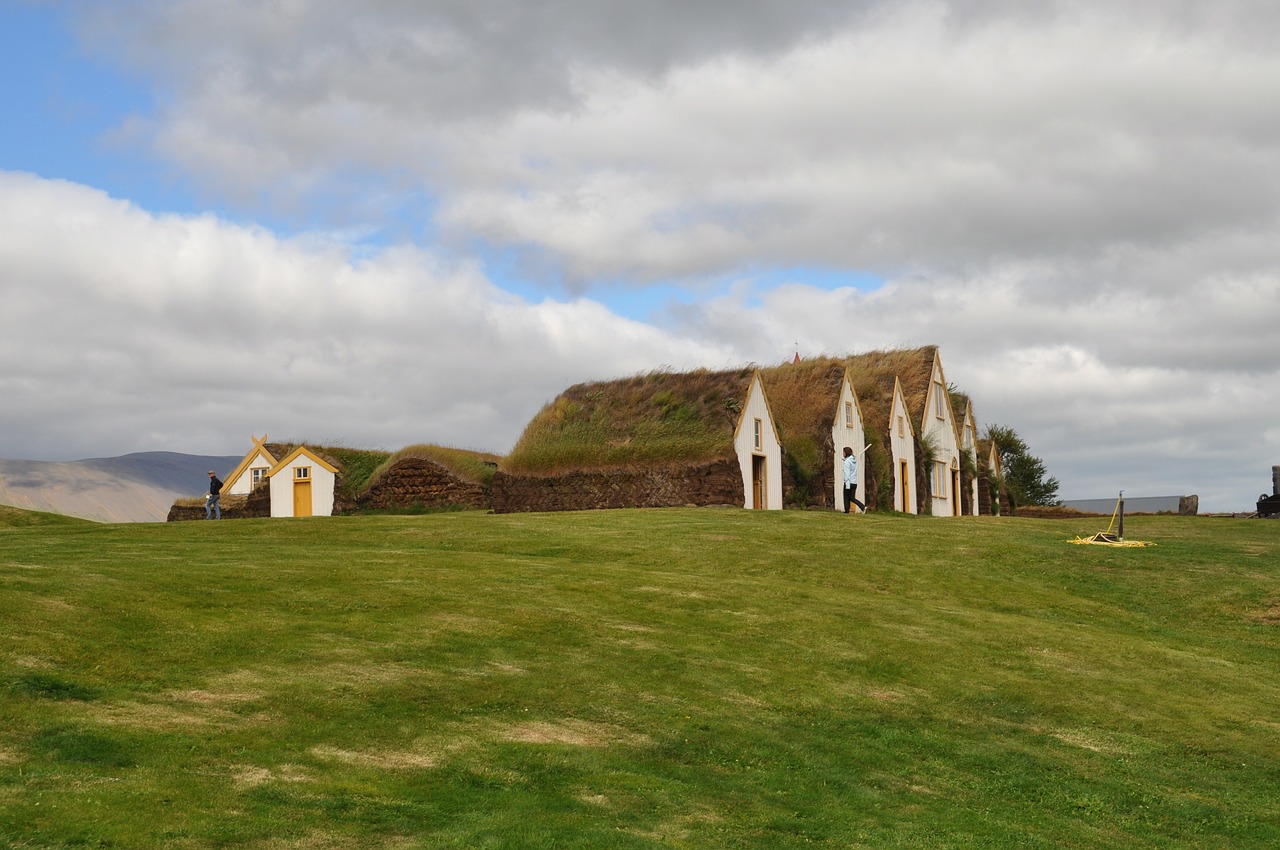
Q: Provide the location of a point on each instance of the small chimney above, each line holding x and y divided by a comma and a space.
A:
1275, 480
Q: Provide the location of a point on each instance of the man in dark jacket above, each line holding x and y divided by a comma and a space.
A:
211, 506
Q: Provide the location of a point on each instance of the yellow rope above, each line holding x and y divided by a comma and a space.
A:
1107, 539
1096, 542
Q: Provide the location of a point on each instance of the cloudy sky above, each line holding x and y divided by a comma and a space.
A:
419, 221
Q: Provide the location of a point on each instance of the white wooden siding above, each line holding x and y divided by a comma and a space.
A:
757, 407
322, 487
848, 434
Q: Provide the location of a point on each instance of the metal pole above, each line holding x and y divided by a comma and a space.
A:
1122, 515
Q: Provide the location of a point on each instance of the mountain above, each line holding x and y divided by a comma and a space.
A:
138, 487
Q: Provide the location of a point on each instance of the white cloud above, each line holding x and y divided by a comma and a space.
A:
632, 144
127, 331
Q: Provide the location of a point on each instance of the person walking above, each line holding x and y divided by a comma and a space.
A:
851, 481
212, 510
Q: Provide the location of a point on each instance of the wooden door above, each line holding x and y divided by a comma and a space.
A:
757, 482
905, 485
302, 498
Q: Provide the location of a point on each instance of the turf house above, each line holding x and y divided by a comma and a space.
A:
990, 473
889, 465
926, 465
303, 484
968, 440
817, 413
657, 440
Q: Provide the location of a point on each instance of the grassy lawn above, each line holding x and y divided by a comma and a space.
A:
638, 679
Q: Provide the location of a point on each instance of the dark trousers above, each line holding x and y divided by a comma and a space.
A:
851, 498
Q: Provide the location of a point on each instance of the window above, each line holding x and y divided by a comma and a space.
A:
940, 480
902, 427
848, 414
256, 475
302, 473
939, 394
759, 434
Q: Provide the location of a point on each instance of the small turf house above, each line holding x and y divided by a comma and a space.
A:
890, 462
817, 413
990, 474
924, 388
657, 440
303, 484
968, 439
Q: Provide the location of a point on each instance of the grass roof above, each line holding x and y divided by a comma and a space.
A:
464, 463
873, 373
803, 396
662, 416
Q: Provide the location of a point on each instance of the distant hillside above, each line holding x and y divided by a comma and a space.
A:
132, 488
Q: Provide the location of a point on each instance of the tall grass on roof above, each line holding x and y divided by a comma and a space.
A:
659, 417
912, 366
803, 398
464, 463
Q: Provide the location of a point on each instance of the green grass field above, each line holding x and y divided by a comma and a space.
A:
638, 679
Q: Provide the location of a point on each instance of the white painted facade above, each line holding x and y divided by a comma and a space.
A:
938, 424
755, 439
302, 484
846, 430
902, 445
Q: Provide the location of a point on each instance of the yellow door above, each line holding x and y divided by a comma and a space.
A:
906, 487
757, 483
302, 498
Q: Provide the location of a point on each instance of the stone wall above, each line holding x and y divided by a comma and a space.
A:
419, 483
985, 506
716, 483
256, 504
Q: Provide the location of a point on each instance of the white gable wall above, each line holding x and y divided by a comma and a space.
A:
938, 424
322, 487
756, 437
243, 483
902, 443
846, 430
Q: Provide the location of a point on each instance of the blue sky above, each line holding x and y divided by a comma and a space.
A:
221, 214
66, 106
77, 106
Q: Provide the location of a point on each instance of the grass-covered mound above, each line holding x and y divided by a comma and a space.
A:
425, 478
640, 679
663, 417
465, 463
11, 517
